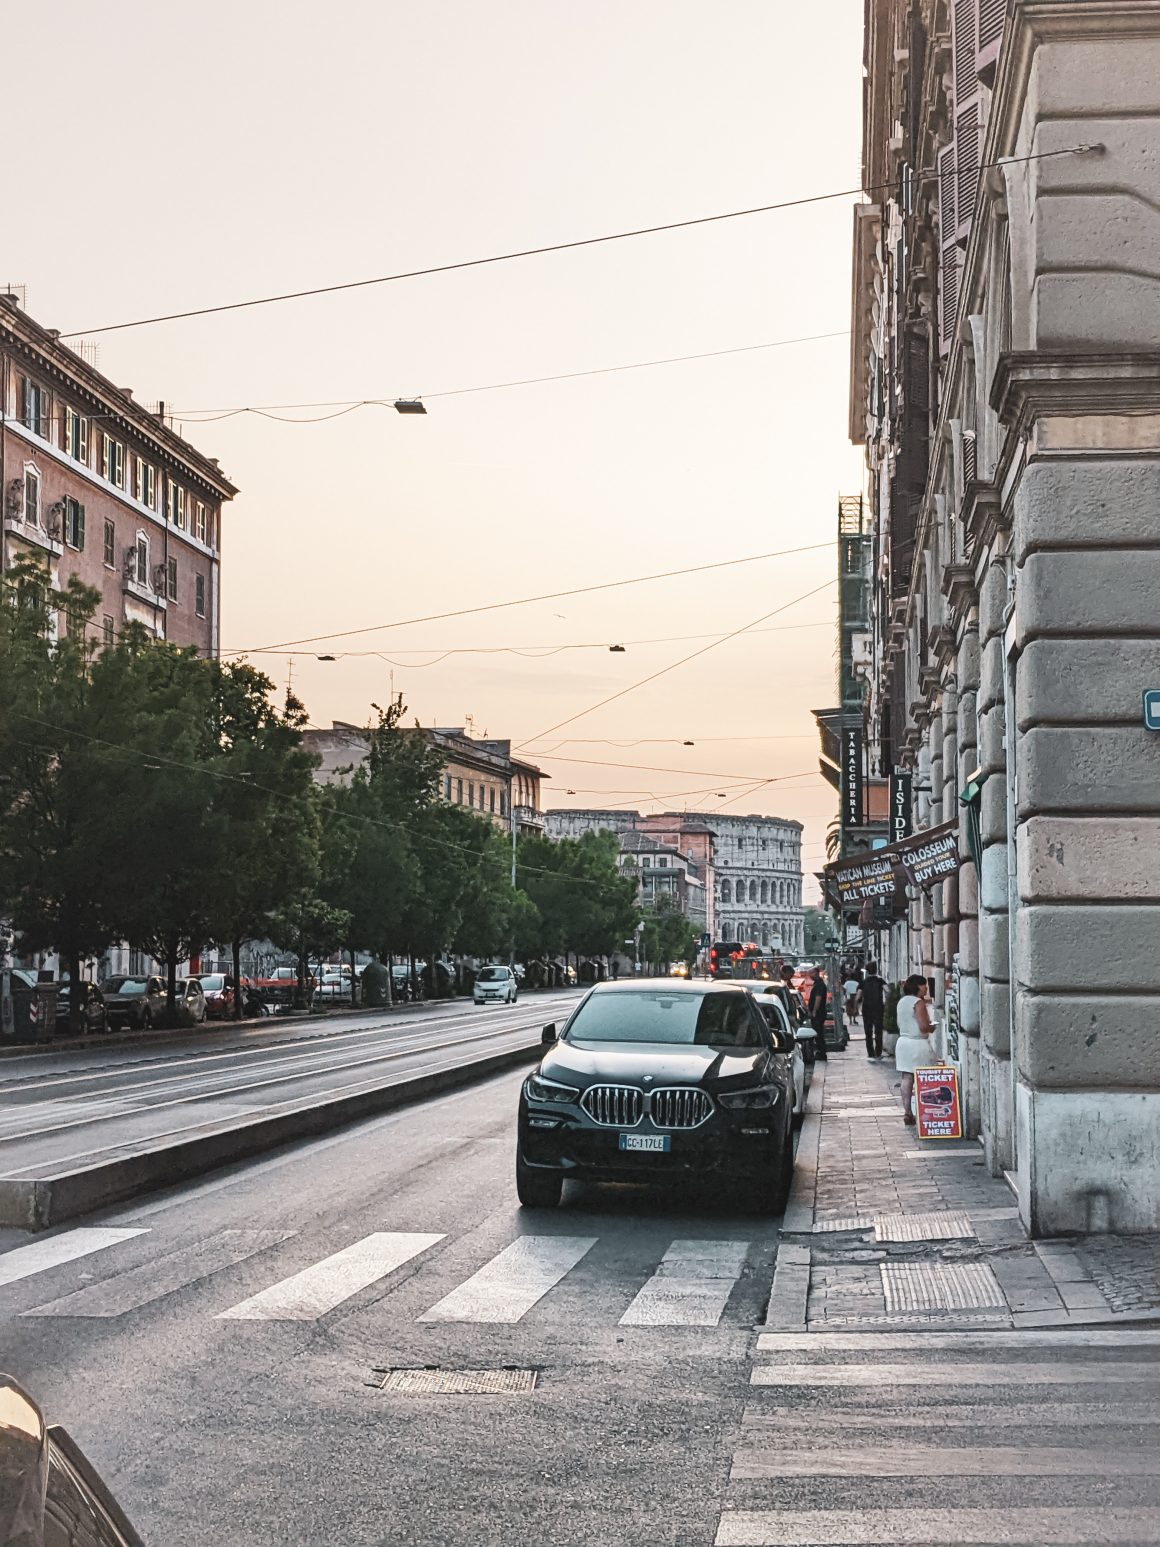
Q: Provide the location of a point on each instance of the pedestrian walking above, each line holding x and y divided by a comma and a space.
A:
850, 989
873, 1007
819, 995
915, 1028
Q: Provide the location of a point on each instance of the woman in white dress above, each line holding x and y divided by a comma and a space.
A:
915, 1030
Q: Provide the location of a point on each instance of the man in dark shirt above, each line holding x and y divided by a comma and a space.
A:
873, 1005
817, 1008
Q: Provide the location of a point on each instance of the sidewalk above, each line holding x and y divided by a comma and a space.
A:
926, 1373
905, 1232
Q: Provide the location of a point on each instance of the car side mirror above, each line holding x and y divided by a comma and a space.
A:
548, 1035
783, 1041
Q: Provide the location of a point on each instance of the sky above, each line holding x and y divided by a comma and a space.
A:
216, 152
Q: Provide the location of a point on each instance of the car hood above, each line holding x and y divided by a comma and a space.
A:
663, 1063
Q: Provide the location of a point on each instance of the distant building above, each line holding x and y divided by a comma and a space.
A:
481, 774
102, 488
664, 875
751, 865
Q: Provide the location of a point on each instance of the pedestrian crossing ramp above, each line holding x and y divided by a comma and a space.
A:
689, 1284
1026, 1436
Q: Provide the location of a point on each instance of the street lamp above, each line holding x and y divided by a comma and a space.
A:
412, 405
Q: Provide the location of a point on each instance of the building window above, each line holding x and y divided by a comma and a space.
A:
199, 595
113, 461
726, 891
74, 623
145, 482
470, 793
107, 630
177, 506
503, 803
32, 496
141, 552
33, 406
447, 788
459, 792
765, 893
200, 524
492, 798
74, 524
171, 579
76, 435
110, 553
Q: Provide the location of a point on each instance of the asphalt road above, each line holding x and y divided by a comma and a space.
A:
213, 1348
59, 1111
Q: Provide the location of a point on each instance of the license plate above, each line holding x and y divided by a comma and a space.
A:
655, 1143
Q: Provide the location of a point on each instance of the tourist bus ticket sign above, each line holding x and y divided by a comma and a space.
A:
936, 1094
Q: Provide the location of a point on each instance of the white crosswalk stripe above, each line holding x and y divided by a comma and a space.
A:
164, 1275
691, 1287
307, 1295
507, 1287
39, 1256
1017, 1433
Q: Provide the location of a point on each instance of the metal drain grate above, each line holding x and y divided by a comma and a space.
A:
455, 1383
944, 1226
929, 1286
847, 1222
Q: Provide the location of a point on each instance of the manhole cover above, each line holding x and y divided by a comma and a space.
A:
456, 1383
929, 1286
943, 1226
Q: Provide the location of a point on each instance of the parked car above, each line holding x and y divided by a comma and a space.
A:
94, 1016
495, 985
218, 988
191, 999
660, 1082
334, 985
770, 998
50, 1493
134, 1001
282, 984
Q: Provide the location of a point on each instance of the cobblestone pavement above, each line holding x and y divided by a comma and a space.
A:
907, 1232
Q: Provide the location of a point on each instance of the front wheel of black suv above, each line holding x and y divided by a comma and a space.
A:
773, 1194
537, 1189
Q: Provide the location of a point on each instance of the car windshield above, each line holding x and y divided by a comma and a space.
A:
492, 974
126, 985
715, 1020
214, 981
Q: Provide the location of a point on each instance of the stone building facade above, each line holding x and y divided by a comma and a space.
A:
100, 487
1006, 385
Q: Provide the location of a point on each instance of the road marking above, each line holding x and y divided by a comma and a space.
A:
691, 1287
860, 1528
307, 1295
945, 1461
985, 1342
1024, 1416
917, 1374
138, 1286
507, 1287
24, 1261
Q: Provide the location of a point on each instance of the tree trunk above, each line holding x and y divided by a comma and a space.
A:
388, 957
353, 979
172, 946
76, 1021
237, 953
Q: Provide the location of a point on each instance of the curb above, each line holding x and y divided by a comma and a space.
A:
789, 1293
38, 1204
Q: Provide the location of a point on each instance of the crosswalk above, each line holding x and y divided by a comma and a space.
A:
1025, 1436
688, 1283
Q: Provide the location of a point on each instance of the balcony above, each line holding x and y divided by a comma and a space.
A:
529, 820
29, 532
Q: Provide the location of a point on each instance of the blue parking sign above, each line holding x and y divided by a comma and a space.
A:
1152, 709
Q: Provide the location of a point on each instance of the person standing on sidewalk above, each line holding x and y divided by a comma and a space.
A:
817, 1008
873, 1006
915, 1029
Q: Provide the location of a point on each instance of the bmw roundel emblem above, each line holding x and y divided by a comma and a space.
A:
648, 1079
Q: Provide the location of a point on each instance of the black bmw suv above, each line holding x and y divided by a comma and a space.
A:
659, 1082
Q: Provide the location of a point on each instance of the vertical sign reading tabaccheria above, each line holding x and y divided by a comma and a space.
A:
852, 814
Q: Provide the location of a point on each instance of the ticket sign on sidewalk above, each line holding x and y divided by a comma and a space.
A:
936, 1098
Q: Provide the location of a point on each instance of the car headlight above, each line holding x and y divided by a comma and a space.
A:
761, 1097
537, 1088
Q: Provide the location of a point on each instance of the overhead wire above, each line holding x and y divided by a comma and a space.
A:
664, 670
525, 601
537, 251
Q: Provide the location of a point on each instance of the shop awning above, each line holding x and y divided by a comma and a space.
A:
920, 860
